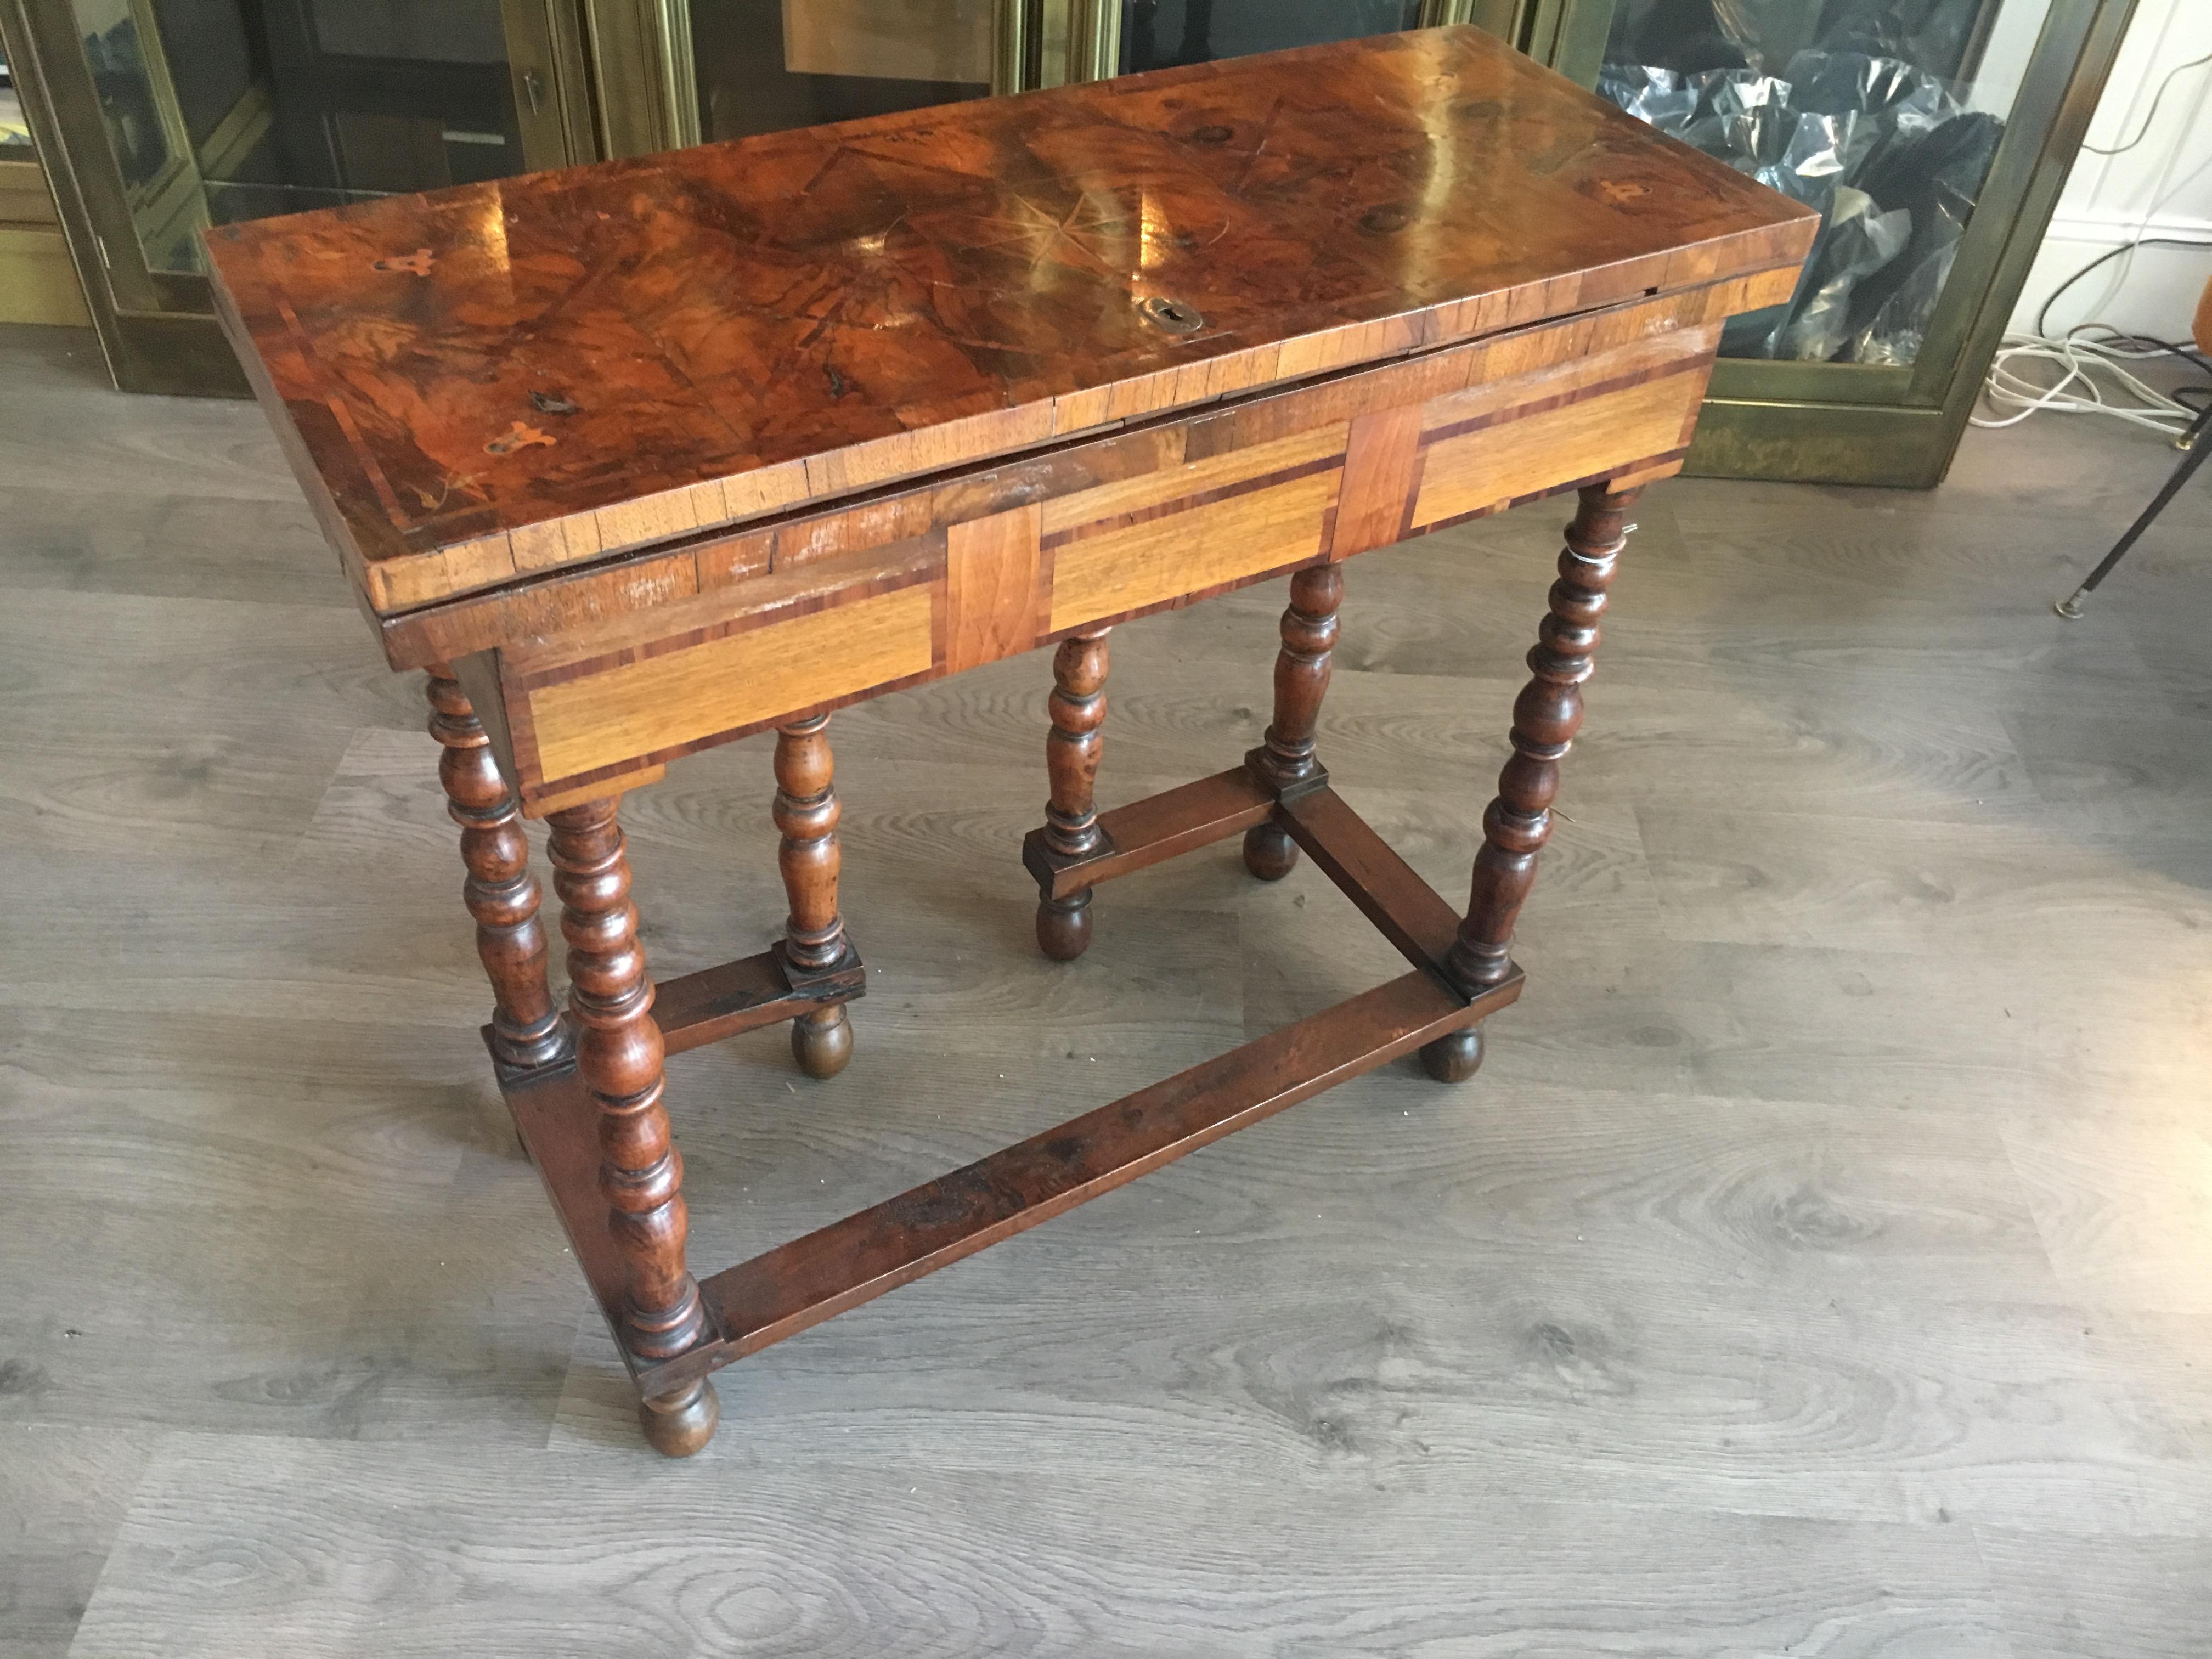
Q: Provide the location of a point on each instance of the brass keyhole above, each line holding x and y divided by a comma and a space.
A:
1173, 315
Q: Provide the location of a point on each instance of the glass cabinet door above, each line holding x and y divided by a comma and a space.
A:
15, 130
695, 70
675, 72
1157, 33
161, 119
215, 110
1886, 115
767, 65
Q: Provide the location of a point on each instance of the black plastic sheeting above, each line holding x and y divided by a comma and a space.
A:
1849, 124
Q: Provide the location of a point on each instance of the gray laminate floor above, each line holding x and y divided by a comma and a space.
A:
1822, 1264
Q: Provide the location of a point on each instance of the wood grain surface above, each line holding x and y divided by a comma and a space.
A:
657, 706
991, 588
498, 380
1815, 1266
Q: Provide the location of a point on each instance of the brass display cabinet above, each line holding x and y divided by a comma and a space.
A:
160, 116
1935, 135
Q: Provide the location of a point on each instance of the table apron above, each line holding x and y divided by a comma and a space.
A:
1144, 522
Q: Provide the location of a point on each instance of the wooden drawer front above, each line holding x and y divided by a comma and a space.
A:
1191, 529
1480, 463
657, 706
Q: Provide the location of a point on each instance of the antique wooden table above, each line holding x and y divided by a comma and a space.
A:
642, 458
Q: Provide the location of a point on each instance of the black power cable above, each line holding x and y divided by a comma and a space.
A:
2118, 339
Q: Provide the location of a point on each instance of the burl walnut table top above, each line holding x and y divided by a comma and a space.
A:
503, 379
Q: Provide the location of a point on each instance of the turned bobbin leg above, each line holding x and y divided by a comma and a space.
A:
526, 1029
1302, 670
619, 1053
1545, 717
806, 813
1071, 817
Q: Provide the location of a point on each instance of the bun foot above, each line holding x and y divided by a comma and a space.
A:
822, 1041
1269, 852
1063, 926
1455, 1058
676, 1424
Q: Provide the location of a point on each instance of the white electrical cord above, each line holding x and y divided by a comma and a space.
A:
2070, 385
2075, 363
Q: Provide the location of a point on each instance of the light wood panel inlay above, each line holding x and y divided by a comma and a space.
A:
642, 708
1162, 558
1525, 456
1175, 484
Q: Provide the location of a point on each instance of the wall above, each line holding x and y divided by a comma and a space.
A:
2166, 178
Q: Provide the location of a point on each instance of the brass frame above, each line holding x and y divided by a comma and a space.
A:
237, 132
1094, 40
631, 101
1501, 17
156, 328
1014, 65
1567, 35
549, 71
679, 72
168, 199
38, 283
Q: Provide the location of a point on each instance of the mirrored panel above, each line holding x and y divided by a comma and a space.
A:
14, 126
1885, 114
767, 66
1155, 33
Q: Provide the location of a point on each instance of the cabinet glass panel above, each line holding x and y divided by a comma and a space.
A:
1155, 33
222, 109
767, 66
15, 130
1885, 114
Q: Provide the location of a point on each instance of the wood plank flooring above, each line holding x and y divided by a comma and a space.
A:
1820, 1265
